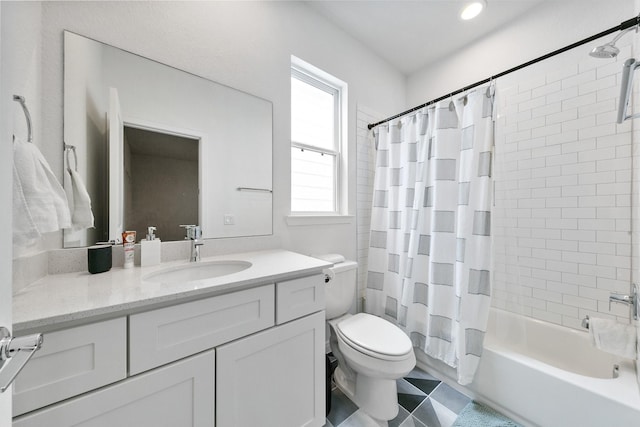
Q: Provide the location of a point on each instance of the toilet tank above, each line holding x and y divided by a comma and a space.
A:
340, 290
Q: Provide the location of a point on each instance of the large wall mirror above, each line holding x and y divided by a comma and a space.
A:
157, 146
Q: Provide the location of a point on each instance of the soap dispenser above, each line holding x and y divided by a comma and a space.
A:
150, 249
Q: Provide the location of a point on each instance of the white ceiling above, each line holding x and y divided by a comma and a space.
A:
411, 34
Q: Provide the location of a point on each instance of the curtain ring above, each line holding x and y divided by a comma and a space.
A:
488, 92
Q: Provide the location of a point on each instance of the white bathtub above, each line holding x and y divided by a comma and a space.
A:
550, 376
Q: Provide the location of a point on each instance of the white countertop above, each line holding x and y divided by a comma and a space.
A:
62, 300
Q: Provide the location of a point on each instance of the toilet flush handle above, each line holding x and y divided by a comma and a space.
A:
329, 275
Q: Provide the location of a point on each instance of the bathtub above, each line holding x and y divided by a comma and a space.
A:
541, 374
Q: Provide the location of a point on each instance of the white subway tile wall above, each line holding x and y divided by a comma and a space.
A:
563, 188
366, 161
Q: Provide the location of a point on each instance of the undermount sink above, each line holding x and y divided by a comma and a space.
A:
196, 271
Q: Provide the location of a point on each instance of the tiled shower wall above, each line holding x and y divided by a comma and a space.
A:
563, 205
563, 185
366, 160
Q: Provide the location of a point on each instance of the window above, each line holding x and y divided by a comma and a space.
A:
316, 134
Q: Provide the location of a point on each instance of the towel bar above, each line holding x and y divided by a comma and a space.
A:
266, 190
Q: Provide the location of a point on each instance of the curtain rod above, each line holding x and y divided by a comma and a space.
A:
623, 26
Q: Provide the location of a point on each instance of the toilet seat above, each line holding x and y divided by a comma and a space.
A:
375, 337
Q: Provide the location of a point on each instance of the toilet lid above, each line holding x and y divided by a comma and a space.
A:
374, 334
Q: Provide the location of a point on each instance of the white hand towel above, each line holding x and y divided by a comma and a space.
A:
39, 202
613, 337
79, 201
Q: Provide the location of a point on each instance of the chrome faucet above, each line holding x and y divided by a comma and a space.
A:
194, 233
631, 300
585, 322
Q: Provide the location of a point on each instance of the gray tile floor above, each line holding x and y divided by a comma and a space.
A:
424, 401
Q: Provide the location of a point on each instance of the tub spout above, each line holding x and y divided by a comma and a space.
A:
585, 322
631, 300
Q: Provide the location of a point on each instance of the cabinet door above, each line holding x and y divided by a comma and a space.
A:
180, 394
274, 378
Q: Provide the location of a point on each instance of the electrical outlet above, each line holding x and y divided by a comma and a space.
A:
229, 219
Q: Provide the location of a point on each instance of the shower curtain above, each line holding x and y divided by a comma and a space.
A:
430, 242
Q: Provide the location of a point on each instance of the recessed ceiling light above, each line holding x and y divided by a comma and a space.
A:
472, 9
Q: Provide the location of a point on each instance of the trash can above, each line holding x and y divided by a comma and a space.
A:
331, 365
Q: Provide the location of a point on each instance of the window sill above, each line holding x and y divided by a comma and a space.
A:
297, 220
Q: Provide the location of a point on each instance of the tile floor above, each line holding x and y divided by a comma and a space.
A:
424, 401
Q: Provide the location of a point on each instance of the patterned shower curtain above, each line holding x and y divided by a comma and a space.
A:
430, 243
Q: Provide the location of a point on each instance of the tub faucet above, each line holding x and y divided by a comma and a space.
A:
585, 322
194, 233
631, 300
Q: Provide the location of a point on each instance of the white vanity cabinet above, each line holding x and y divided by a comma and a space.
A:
179, 394
252, 357
274, 378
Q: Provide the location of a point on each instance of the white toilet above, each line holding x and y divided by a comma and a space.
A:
372, 353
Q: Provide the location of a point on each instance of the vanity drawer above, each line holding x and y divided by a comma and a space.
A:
177, 395
71, 362
161, 336
299, 297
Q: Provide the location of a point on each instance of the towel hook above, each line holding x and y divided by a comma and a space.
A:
22, 102
71, 148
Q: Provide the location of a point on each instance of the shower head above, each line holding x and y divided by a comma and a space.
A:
605, 51
609, 50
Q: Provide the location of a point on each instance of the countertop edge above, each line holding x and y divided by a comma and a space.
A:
109, 311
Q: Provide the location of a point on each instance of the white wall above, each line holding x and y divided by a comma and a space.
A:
246, 45
366, 174
545, 28
19, 71
5, 245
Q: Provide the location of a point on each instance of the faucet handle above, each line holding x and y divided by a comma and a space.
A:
632, 300
189, 229
194, 232
585, 322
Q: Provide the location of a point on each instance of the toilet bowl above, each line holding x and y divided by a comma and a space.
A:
376, 354
372, 352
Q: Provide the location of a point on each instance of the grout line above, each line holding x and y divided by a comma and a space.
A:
416, 419
436, 387
418, 391
416, 408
